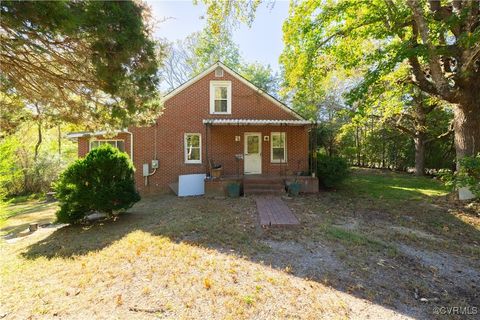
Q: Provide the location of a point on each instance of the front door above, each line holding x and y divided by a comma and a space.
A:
253, 153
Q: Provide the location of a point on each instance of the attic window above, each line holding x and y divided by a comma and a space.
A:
220, 97
218, 72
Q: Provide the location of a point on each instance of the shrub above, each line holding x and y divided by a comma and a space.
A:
331, 170
103, 181
467, 176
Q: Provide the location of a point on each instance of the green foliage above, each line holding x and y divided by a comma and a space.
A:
383, 49
225, 15
23, 174
83, 61
8, 172
211, 48
261, 76
331, 170
468, 175
102, 181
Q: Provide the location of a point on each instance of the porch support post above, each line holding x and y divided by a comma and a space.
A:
207, 150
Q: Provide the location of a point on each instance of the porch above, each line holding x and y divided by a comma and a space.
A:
259, 184
273, 149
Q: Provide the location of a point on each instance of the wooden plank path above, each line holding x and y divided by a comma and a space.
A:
274, 212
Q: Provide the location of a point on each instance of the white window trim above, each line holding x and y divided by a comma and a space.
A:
185, 152
107, 140
284, 147
213, 85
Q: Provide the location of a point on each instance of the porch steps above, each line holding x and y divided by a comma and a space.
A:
263, 186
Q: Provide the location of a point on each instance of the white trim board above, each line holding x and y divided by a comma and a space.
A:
237, 76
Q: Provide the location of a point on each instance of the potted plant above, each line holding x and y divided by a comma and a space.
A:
233, 189
294, 188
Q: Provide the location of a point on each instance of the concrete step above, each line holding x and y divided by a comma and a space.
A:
264, 185
263, 180
265, 192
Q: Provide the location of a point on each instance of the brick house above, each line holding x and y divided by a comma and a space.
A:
216, 118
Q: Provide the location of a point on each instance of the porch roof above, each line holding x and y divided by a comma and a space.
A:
256, 122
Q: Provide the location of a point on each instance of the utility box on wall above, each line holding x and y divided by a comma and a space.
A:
146, 170
154, 164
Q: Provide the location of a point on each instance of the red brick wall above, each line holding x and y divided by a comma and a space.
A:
184, 112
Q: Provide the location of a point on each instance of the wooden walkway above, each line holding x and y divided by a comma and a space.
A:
274, 212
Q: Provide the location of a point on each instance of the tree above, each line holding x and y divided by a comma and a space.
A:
198, 51
189, 57
102, 181
440, 43
225, 15
261, 76
404, 107
83, 61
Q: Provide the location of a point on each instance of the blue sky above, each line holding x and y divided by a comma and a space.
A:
261, 42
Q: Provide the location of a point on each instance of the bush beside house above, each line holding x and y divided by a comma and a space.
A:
331, 170
102, 181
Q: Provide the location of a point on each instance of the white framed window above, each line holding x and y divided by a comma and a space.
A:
278, 147
119, 144
193, 147
220, 97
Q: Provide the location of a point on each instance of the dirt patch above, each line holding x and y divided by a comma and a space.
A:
457, 272
311, 260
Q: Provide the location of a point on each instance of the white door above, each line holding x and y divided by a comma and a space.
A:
253, 153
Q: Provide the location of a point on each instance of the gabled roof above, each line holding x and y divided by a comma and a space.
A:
240, 78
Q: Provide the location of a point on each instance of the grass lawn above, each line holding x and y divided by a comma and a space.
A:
390, 185
358, 253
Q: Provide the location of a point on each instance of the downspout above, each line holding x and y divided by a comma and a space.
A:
131, 143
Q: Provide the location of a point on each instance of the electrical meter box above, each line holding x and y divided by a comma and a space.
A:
154, 164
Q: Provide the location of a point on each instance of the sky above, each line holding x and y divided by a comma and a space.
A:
261, 42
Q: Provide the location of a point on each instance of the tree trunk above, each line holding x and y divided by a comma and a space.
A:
467, 130
419, 154
39, 141
467, 138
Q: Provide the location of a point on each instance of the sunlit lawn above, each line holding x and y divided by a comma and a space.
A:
393, 186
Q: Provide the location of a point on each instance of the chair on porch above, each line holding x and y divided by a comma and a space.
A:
215, 169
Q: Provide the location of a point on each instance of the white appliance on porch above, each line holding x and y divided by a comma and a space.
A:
252, 153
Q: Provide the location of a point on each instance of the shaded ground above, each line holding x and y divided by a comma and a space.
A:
356, 254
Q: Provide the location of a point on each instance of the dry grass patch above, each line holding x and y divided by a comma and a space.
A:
145, 272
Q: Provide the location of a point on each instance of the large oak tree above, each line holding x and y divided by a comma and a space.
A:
440, 40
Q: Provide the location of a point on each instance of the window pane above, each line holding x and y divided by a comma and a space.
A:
220, 105
252, 144
278, 140
193, 140
193, 154
223, 91
278, 154
220, 92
